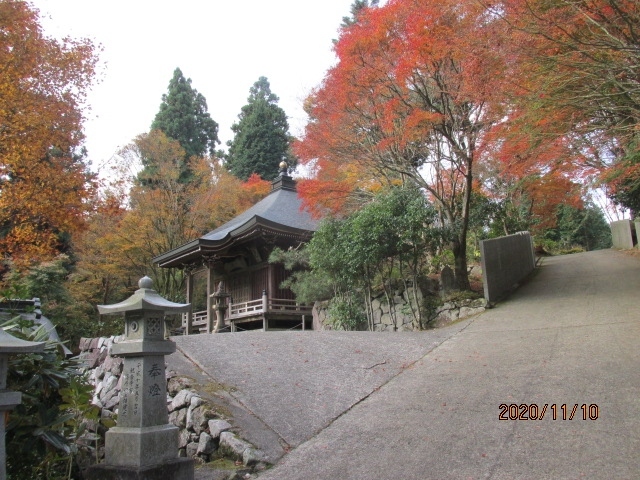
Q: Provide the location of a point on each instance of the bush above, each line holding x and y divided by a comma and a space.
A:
389, 241
345, 313
46, 431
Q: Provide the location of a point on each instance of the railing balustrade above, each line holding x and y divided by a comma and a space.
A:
247, 309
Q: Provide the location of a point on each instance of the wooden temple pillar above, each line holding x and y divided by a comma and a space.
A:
265, 309
265, 295
189, 314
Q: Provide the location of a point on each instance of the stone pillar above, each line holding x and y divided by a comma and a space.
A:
210, 287
220, 297
143, 445
8, 399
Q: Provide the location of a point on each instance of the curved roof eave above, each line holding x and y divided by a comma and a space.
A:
280, 211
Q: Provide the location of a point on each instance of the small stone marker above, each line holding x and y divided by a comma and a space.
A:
447, 280
8, 399
143, 445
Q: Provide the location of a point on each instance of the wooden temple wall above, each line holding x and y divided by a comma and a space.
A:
249, 285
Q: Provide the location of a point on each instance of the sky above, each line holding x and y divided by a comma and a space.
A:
223, 46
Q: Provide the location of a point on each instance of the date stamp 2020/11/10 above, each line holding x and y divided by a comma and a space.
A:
533, 411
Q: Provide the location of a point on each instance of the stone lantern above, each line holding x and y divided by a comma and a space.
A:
220, 297
143, 445
8, 399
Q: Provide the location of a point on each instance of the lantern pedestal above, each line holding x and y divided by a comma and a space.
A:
176, 469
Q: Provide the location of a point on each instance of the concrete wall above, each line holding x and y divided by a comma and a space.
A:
622, 234
505, 262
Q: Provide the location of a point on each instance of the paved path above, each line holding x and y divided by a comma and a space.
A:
429, 409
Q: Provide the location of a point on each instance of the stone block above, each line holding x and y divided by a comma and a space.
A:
192, 449
108, 386
93, 359
479, 302
108, 363
84, 344
177, 384
447, 280
232, 445
141, 447
143, 400
111, 402
177, 469
216, 427
98, 372
375, 304
206, 445
377, 316
183, 438
252, 457
181, 400
467, 311
196, 401
198, 417
178, 418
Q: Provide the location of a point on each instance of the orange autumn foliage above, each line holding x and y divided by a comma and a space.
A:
256, 187
412, 99
160, 212
579, 82
44, 183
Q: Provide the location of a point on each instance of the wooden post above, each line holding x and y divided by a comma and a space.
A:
210, 290
189, 314
270, 280
265, 309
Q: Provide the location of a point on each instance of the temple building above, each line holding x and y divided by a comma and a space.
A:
232, 260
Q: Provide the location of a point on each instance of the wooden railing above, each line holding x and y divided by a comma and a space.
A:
198, 320
284, 305
268, 305
246, 309
250, 308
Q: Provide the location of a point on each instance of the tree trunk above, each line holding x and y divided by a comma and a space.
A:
459, 245
460, 264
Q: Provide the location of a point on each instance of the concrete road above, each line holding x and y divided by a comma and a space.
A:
567, 343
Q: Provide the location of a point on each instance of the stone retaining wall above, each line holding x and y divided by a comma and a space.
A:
400, 314
203, 433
